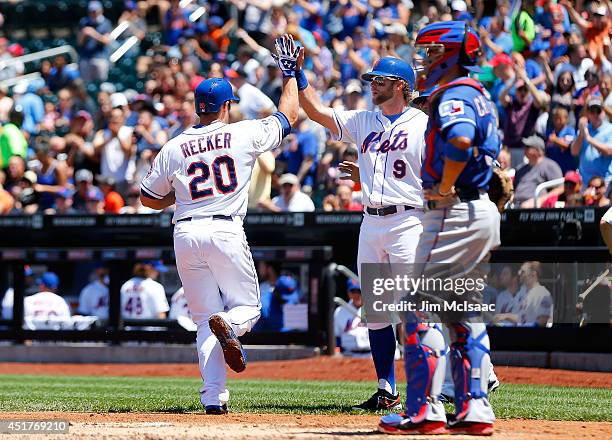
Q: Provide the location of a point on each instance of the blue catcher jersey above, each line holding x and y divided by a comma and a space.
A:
461, 101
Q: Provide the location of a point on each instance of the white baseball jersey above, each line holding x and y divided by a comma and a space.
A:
390, 154
178, 305
7, 303
93, 300
209, 167
45, 305
143, 298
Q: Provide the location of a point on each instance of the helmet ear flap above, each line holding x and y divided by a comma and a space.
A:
463, 57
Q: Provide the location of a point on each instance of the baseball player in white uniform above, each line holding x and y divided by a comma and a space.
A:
45, 305
93, 299
206, 171
391, 143
141, 296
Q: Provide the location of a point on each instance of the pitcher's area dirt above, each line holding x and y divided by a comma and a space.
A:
119, 426
275, 426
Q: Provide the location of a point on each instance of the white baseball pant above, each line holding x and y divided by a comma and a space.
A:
216, 268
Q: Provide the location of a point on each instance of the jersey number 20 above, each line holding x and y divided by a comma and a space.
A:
204, 175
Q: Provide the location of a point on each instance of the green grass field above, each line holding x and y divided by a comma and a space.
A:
178, 395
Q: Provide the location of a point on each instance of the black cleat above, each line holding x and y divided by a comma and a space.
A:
216, 409
380, 400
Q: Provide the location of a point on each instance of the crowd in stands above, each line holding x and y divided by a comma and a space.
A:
63, 149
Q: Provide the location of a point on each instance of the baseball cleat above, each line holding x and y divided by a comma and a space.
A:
233, 353
399, 424
380, 400
468, 428
493, 385
216, 409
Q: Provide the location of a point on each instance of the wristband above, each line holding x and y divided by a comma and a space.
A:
446, 194
302, 81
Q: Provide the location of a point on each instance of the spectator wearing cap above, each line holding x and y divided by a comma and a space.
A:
46, 304
60, 75
559, 138
522, 109
459, 11
350, 330
290, 199
495, 39
113, 202
25, 196
353, 98
572, 185
595, 30
63, 203
92, 40
78, 142
272, 301
539, 169
254, 104
12, 140
505, 76
116, 150
84, 184
595, 193
32, 105
51, 174
94, 202
593, 143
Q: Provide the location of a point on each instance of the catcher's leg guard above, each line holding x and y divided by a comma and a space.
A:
471, 363
425, 363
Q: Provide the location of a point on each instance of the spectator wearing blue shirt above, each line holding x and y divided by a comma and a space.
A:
92, 39
302, 154
60, 75
593, 143
559, 138
31, 104
495, 39
345, 16
285, 291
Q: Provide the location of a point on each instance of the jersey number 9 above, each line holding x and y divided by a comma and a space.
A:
204, 174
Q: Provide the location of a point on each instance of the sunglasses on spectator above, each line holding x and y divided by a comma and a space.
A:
600, 186
380, 80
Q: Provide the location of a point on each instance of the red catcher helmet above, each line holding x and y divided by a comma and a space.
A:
443, 45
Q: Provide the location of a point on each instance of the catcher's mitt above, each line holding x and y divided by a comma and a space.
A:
501, 188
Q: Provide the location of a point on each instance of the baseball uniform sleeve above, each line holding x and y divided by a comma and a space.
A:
267, 132
85, 307
347, 122
157, 184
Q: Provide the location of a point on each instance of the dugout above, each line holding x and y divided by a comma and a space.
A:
305, 244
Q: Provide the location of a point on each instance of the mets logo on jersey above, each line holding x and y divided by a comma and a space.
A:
399, 141
451, 108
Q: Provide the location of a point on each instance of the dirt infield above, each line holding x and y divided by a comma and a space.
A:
117, 426
319, 368
274, 426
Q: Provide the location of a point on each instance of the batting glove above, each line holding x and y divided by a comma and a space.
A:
286, 55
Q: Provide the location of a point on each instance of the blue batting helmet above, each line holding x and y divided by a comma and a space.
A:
211, 94
391, 67
443, 45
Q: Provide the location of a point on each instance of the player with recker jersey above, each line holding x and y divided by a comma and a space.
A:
206, 171
461, 225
